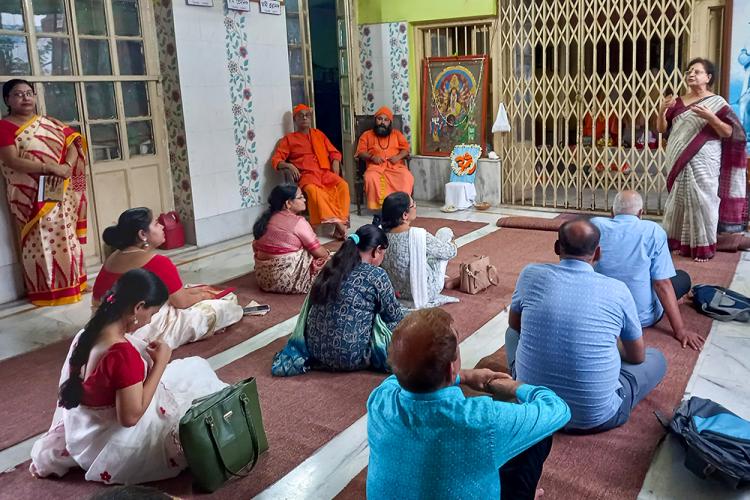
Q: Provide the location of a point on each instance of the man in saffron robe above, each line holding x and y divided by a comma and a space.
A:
384, 150
315, 164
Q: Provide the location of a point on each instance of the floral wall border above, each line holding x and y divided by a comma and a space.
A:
398, 44
367, 103
173, 113
236, 41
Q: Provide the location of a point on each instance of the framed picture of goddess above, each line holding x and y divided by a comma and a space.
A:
454, 103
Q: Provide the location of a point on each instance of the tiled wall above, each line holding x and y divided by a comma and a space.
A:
234, 84
384, 60
173, 113
11, 283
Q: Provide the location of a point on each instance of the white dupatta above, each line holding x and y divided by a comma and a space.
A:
419, 269
420, 293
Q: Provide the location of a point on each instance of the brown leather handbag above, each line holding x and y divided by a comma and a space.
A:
477, 275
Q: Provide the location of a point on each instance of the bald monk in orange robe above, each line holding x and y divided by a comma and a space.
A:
384, 150
315, 164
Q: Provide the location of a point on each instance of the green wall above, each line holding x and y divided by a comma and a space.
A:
420, 11
416, 11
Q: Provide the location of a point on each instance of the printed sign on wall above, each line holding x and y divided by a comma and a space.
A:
270, 7
241, 5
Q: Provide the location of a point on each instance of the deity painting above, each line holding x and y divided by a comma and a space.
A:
454, 103
464, 161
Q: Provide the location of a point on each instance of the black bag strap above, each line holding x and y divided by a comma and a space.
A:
251, 427
244, 400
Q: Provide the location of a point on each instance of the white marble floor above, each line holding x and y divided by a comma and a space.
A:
720, 373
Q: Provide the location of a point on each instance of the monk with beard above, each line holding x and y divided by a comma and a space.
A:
384, 150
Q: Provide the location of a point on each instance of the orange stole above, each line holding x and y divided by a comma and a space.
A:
327, 193
386, 178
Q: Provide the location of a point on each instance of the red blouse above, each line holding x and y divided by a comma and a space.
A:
160, 265
121, 366
7, 133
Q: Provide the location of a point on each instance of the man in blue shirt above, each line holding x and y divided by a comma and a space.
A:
429, 441
635, 252
580, 335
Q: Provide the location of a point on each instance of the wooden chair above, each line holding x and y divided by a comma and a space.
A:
361, 124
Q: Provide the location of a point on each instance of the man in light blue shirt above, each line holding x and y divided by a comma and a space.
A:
636, 252
429, 441
580, 335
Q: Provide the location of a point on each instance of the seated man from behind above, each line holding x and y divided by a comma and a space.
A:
570, 319
384, 150
429, 441
636, 252
315, 164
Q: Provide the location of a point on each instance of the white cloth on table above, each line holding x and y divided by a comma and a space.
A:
461, 195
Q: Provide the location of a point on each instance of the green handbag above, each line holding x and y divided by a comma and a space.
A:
222, 435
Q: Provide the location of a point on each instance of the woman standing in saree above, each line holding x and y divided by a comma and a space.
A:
707, 161
288, 255
51, 232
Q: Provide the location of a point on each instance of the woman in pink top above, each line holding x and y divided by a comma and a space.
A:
288, 255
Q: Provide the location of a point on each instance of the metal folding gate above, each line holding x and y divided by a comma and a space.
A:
569, 67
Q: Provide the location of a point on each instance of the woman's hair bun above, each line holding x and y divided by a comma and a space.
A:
112, 236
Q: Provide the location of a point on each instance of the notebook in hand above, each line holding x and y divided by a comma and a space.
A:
51, 188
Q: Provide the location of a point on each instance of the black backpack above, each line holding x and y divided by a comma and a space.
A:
721, 303
717, 442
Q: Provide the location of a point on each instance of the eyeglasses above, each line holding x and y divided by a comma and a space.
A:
21, 95
696, 71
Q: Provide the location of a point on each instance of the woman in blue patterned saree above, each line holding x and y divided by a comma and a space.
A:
346, 321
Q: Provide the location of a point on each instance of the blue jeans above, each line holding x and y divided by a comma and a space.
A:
636, 380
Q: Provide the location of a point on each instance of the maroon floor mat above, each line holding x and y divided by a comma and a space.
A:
301, 413
35, 374
613, 465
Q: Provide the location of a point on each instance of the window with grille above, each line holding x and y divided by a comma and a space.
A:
473, 38
457, 40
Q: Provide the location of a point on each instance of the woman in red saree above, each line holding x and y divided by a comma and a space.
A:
707, 166
51, 232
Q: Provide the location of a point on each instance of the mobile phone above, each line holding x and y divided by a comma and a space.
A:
263, 308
